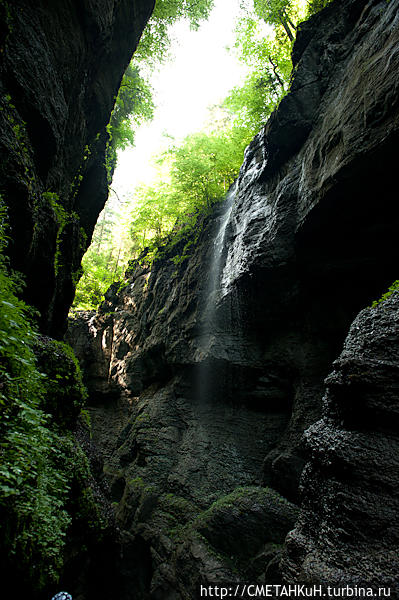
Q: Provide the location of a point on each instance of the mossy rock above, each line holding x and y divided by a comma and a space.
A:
173, 513
64, 392
241, 523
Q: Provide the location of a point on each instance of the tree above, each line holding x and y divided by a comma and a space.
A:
191, 177
105, 260
269, 59
155, 41
133, 106
134, 103
277, 12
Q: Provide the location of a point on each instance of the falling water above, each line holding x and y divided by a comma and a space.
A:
215, 268
210, 326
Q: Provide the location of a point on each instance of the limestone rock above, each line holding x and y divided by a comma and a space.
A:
217, 386
348, 531
61, 64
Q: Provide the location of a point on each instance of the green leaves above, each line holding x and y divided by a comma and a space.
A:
134, 104
31, 490
34, 475
191, 177
155, 41
392, 288
105, 260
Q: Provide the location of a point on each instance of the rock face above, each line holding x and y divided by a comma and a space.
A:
348, 531
61, 64
206, 371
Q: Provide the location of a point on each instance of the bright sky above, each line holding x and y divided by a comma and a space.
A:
200, 75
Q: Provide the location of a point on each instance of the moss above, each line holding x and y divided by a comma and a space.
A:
38, 458
8, 19
75, 185
60, 213
85, 508
64, 392
239, 524
86, 420
21, 142
180, 509
393, 288
50, 201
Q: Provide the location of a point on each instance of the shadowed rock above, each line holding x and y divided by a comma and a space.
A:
310, 241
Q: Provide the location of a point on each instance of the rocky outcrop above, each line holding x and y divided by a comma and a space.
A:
61, 65
217, 359
348, 531
172, 447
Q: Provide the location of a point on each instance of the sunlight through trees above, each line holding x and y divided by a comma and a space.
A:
194, 174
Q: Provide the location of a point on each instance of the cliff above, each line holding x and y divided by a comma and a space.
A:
61, 64
205, 371
347, 533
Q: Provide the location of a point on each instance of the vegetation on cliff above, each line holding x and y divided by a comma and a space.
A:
134, 103
41, 395
196, 172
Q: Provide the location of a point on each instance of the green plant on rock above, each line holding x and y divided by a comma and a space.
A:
32, 486
392, 288
88, 516
43, 472
50, 201
64, 392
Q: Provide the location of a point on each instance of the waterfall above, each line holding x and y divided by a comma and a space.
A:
209, 330
216, 265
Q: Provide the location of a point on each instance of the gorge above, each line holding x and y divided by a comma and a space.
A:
243, 399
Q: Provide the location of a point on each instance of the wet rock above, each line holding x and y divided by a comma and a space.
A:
222, 381
241, 524
348, 531
60, 65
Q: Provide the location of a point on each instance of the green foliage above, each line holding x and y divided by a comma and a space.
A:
264, 39
38, 464
64, 392
60, 213
392, 288
267, 53
285, 15
32, 486
106, 259
191, 178
155, 41
314, 6
50, 204
88, 518
279, 13
134, 104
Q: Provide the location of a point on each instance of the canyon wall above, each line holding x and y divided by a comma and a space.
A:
206, 372
61, 64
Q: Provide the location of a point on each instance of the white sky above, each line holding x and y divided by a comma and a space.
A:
200, 75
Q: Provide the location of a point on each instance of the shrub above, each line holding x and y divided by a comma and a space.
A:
64, 392
40, 477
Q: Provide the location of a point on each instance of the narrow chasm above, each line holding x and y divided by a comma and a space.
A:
231, 420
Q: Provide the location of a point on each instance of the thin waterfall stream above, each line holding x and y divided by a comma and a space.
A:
210, 325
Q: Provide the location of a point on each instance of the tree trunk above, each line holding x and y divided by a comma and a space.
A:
275, 72
284, 22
